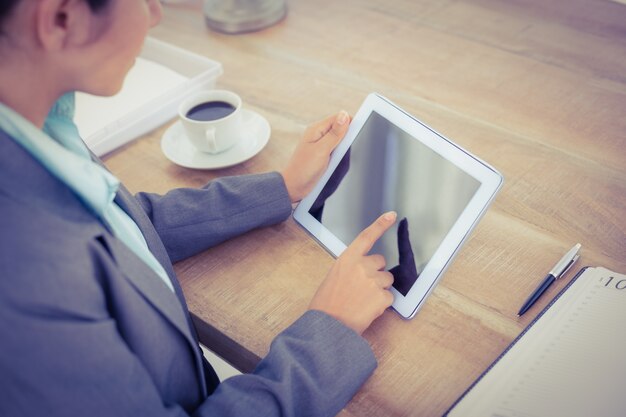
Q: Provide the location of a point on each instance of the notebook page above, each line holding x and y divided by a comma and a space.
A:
571, 362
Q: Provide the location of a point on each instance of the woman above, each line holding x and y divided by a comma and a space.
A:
92, 316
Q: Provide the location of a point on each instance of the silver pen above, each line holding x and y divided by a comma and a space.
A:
555, 273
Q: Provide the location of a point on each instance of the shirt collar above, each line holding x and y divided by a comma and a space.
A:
61, 150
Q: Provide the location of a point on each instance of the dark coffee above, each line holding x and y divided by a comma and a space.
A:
211, 110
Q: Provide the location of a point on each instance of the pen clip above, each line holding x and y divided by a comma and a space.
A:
569, 265
566, 262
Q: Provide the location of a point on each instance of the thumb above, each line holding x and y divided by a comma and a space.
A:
363, 243
338, 129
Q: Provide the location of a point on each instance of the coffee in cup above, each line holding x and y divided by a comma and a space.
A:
212, 120
212, 110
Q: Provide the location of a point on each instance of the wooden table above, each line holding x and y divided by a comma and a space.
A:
536, 88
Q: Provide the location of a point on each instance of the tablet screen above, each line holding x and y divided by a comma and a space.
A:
386, 169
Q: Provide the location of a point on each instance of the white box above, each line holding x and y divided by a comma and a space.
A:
163, 75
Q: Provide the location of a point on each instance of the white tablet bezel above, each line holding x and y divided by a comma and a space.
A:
490, 182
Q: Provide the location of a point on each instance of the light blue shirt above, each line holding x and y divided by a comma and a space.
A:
60, 149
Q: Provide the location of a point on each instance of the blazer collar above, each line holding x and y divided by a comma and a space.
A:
147, 283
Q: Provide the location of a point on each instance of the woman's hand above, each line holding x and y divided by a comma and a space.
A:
356, 290
310, 159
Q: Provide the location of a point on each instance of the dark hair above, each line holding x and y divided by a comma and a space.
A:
6, 6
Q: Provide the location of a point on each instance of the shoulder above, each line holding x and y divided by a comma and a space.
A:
44, 258
33, 228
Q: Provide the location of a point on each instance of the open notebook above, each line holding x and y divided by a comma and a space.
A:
570, 361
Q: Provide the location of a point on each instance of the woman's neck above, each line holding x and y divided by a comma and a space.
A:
25, 88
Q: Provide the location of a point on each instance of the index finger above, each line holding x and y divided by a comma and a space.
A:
363, 243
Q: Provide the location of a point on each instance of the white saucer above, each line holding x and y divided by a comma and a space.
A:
178, 149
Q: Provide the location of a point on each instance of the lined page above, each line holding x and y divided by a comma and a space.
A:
571, 362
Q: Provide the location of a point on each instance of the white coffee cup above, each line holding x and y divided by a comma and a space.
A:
212, 120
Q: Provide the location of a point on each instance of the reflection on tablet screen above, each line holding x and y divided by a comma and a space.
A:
386, 169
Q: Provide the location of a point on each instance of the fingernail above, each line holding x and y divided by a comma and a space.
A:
391, 215
342, 118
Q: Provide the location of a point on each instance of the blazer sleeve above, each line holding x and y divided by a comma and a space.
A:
191, 220
312, 369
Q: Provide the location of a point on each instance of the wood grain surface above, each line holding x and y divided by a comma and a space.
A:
535, 88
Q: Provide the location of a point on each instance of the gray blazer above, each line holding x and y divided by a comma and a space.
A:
89, 330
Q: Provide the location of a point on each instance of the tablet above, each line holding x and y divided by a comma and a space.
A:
389, 160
